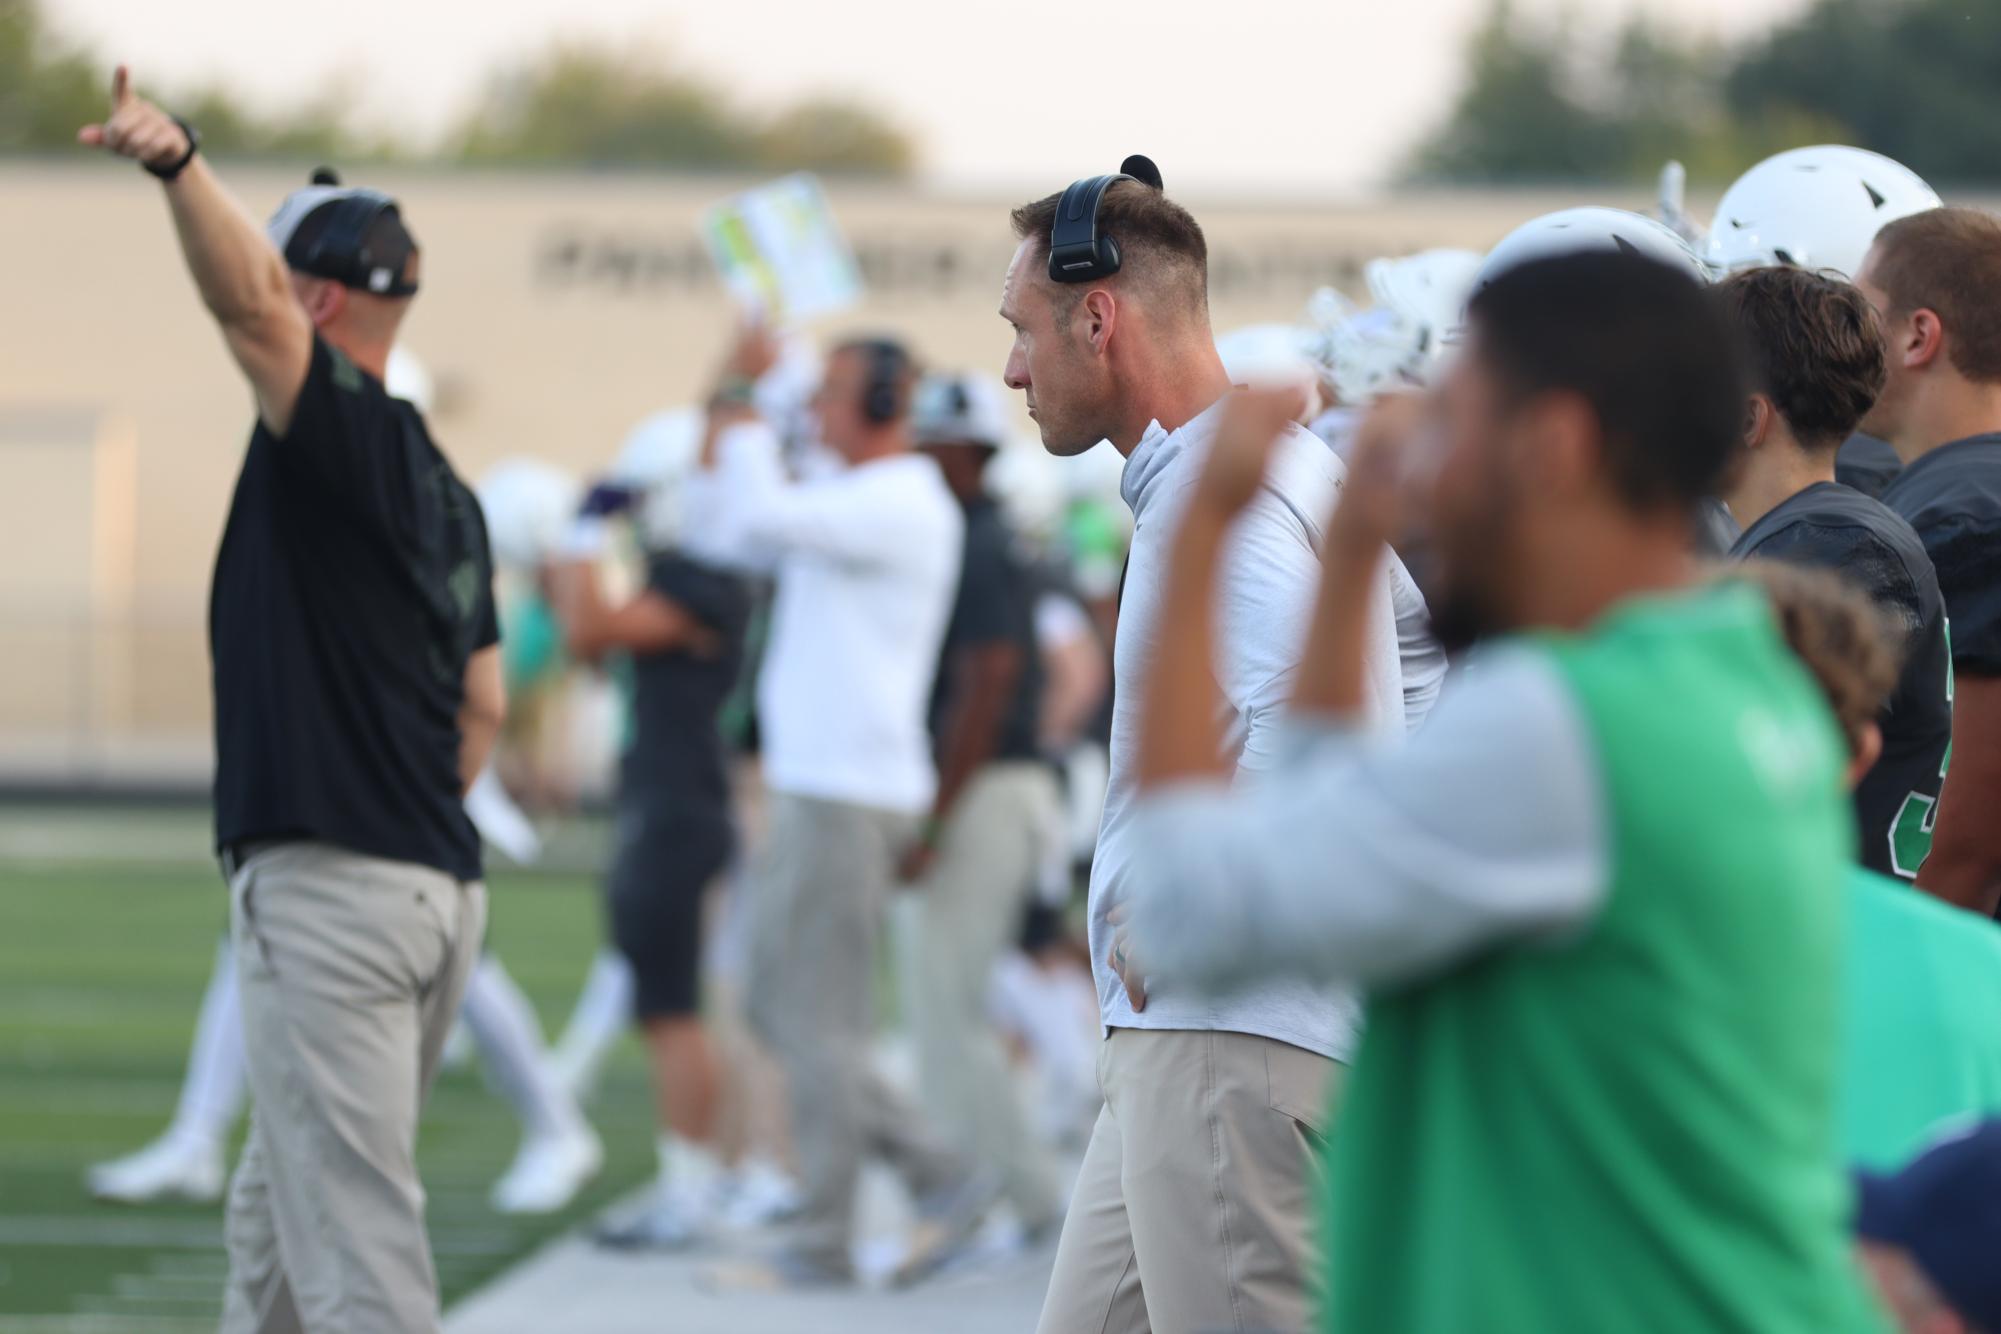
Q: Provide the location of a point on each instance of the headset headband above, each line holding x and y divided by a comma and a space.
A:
1077, 252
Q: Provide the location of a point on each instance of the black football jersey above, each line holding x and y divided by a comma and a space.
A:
1867, 464
1866, 542
1952, 496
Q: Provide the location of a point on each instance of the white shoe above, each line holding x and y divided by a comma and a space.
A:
173, 1167
548, 1172
672, 1220
758, 1195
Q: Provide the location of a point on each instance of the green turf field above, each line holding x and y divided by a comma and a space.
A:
104, 950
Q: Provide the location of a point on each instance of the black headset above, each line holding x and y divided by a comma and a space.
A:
888, 373
1078, 251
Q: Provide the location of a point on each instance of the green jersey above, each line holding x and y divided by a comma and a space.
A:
1632, 1127
1923, 1029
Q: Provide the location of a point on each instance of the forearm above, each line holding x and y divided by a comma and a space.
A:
1181, 719
1076, 683
579, 606
479, 729
1964, 865
1332, 669
972, 730
240, 277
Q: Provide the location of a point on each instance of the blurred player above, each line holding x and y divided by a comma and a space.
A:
1586, 1022
1211, 1106
1815, 365
1819, 208
357, 696
1935, 280
1920, 1049
684, 633
866, 553
1570, 230
980, 852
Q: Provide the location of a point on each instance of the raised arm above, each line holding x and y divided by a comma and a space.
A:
241, 278
649, 622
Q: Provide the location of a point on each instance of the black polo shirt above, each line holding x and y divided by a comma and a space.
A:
1840, 529
676, 760
996, 605
353, 583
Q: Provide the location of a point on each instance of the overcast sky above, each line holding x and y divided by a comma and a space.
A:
1289, 96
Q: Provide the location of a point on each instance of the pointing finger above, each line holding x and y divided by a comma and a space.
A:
121, 87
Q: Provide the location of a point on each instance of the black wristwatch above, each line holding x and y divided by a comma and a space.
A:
179, 164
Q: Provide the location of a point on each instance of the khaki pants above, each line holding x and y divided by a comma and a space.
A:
351, 969
819, 893
1191, 1213
955, 925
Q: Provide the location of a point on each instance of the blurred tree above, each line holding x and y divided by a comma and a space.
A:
834, 135
1915, 79
47, 90
1549, 101
599, 107
1518, 118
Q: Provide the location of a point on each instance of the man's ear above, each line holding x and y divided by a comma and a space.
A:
1924, 339
1868, 749
325, 300
1100, 312
1759, 414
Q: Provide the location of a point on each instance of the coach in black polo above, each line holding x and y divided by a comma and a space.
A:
357, 693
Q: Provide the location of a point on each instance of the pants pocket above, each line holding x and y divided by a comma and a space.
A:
1302, 1086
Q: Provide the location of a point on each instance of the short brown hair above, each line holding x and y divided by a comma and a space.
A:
1812, 345
1948, 260
1837, 632
1160, 243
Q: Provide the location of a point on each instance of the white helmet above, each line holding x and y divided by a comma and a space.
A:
960, 408
656, 456
1572, 230
1818, 208
406, 378
1027, 481
1268, 355
528, 506
1402, 338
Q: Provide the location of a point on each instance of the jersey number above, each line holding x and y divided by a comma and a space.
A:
1911, 831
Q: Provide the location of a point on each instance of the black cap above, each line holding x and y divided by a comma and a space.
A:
1945, 1209
354, 236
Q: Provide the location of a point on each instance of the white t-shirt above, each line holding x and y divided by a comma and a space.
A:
867, 563
1269, 578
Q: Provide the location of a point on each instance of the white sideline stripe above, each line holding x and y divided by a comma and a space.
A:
102, 1324
189, 1306
167, 1287
144, 1233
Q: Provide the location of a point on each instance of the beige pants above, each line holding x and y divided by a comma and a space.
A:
1191, 1214
821, 886
351, 969
953, 928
